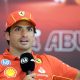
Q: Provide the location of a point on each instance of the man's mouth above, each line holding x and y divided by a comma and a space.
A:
24, 41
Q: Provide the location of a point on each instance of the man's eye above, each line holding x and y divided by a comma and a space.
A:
17, 29
29, 29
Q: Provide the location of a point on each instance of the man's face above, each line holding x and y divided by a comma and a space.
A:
21, 36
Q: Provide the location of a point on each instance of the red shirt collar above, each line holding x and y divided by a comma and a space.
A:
8, 55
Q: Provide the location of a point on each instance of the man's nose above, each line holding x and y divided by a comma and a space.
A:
24, 32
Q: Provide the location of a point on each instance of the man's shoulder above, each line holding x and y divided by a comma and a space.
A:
46, 56
49, 58
1, 56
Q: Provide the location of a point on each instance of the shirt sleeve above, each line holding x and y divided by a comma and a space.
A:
60, 68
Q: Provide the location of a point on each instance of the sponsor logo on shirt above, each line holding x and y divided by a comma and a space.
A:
5, 62
42, 75
10, 72
38, 60
41, 70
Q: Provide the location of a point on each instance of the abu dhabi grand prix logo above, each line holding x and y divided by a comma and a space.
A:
59, 41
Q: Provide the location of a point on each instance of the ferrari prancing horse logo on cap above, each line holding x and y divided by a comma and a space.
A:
21, 13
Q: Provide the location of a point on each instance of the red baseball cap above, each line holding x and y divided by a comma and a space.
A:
17, 16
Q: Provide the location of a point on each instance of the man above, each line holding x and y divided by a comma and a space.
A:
20, 35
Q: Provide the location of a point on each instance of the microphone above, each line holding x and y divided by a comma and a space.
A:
27, 63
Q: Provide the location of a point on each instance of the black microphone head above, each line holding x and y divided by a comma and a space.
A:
27, 62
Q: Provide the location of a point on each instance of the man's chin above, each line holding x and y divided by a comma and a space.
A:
24, 43
24, 47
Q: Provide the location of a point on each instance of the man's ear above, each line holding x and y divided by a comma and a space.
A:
7, 35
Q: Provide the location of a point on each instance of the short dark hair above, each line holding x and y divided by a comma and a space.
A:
8, 30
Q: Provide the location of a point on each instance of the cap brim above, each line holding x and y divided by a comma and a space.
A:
28, 20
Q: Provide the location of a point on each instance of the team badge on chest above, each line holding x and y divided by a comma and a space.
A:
38, 60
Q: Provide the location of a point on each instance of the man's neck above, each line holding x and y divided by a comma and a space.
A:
17, 52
